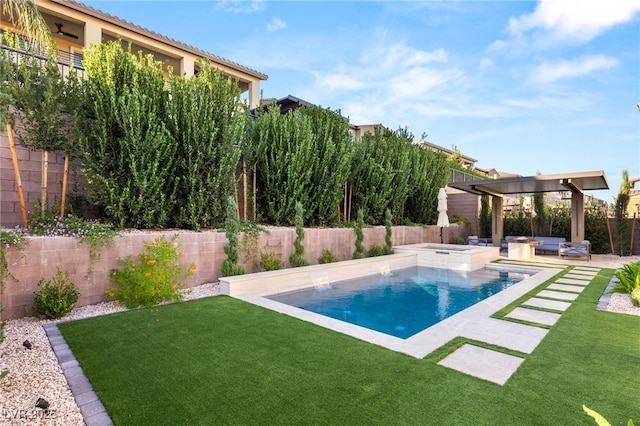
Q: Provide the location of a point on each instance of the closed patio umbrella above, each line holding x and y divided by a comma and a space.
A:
443, 219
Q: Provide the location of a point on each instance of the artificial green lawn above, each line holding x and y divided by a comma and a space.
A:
223, 361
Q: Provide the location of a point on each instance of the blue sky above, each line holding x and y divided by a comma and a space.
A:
521, 86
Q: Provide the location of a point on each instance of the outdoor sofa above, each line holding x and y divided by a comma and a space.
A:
549, 244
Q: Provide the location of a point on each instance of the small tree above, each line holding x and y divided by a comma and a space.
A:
623, 240
388, 244
485, 218
230, 265
359, 252
296, 259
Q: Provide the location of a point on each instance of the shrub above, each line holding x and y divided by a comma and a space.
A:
230, 265
296, 259
635, 296
156, 276
375, 251
327, 257
56, 297
457, 240
628, 278
388, 223
269, 261
359, 251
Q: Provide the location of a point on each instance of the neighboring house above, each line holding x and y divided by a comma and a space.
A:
75, 26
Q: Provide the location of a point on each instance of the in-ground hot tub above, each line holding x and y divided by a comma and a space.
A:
451, 256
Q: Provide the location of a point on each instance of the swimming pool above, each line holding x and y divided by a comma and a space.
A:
404, 302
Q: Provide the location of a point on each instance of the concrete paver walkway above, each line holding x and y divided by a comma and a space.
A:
497, 367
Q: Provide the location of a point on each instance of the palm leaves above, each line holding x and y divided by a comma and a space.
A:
25, 16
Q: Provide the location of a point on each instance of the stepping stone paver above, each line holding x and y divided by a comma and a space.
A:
565, 287
555, 305
511, 335
558, 295
583, 277
532, 315
484, 363
572, 281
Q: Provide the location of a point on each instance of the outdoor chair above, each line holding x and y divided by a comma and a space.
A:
582, 249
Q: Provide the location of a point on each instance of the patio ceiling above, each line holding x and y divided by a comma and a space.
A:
574, 182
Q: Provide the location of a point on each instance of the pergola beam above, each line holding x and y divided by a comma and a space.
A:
572, 185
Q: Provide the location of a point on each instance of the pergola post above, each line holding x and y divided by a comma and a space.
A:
497, 220
577, 217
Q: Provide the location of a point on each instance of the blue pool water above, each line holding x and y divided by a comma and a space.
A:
403, 302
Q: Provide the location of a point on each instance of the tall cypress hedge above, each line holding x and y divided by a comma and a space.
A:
207, 122
391, 172
303, 155
128, 154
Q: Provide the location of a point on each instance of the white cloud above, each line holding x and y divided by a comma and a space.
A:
485, 63
241, 6
574, 21
276, 24
388, 78
549, 72
338, 81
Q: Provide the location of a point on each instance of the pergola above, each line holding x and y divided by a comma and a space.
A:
576, 183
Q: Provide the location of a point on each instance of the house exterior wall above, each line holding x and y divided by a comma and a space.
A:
43, 255
93, 26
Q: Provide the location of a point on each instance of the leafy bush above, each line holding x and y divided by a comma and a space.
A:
375, 251
629, 281
129, 156
56, 297
156, 276
327, 257
269, 261
457, 240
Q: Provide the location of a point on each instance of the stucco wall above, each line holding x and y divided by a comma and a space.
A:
43, 255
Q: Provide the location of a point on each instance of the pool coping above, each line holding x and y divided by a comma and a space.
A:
467, 323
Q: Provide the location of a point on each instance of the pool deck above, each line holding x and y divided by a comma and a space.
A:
540, 312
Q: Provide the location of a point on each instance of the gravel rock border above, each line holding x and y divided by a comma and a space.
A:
35, 373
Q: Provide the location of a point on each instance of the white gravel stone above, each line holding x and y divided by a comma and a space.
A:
34, 373
622, 303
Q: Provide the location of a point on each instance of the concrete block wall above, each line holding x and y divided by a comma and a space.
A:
30, 164
43, 255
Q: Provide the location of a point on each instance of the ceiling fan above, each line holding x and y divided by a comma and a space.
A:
63, 33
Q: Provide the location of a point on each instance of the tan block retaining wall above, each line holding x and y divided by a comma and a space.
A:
43, 255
